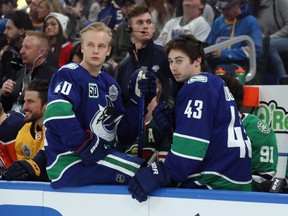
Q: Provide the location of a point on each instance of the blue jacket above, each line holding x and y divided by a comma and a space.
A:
151, 55
245, 24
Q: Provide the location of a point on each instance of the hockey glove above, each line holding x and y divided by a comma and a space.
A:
92, 150
163, 115
144, 83
148, 179
22, 170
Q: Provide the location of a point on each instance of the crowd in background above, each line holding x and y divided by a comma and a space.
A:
38, 40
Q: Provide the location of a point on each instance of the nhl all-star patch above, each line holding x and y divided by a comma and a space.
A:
113, 93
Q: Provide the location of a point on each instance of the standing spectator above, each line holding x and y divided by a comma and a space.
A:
34, 51
31, 163
262, 137
273, 18
10, 124
55, 26
83, 117
17, 24
190, 23
80, 12
210, 148
235, 21
143, 51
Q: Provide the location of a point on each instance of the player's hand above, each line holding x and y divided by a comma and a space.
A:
148, 179
163, 115
142, 83
22, 170
92, 150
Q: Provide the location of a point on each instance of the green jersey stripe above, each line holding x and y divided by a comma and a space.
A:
62, 163
189, 147
215, 180
58, 109
121, 165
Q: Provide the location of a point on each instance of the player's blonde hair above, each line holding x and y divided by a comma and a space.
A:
98, 27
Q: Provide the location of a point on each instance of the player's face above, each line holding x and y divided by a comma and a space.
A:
33, 108
181, 66
95, 48
143, 27
51, 27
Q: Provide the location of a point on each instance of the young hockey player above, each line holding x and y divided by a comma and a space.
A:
210, 147
85, 114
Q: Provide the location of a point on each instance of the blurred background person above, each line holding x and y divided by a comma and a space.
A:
55, 26
190, 23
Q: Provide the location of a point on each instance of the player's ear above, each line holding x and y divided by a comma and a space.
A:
153, 27
109, 51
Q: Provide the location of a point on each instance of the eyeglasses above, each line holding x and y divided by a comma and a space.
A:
52, 24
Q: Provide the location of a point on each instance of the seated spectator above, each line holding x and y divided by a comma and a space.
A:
48, 6
36, 22
55, 26
234, 22
262, 137
34, 52
190, 23
31, 163
17, 24
10, 124
273, 19
7, 7
208, 11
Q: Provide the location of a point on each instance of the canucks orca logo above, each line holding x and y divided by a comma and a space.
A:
105, 120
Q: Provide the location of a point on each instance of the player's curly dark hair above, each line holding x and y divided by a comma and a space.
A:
236, 89
189, 45
40, 86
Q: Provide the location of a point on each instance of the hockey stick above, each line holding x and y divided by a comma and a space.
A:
141, 120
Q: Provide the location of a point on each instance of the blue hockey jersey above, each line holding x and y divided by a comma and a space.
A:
210, 147
80, 102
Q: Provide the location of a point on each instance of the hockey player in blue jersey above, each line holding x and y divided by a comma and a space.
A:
210, 148
83, 112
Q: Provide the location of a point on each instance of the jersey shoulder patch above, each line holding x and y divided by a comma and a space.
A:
71, 66
198, 78
263, 127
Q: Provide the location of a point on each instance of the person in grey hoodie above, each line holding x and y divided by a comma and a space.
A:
273, 18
